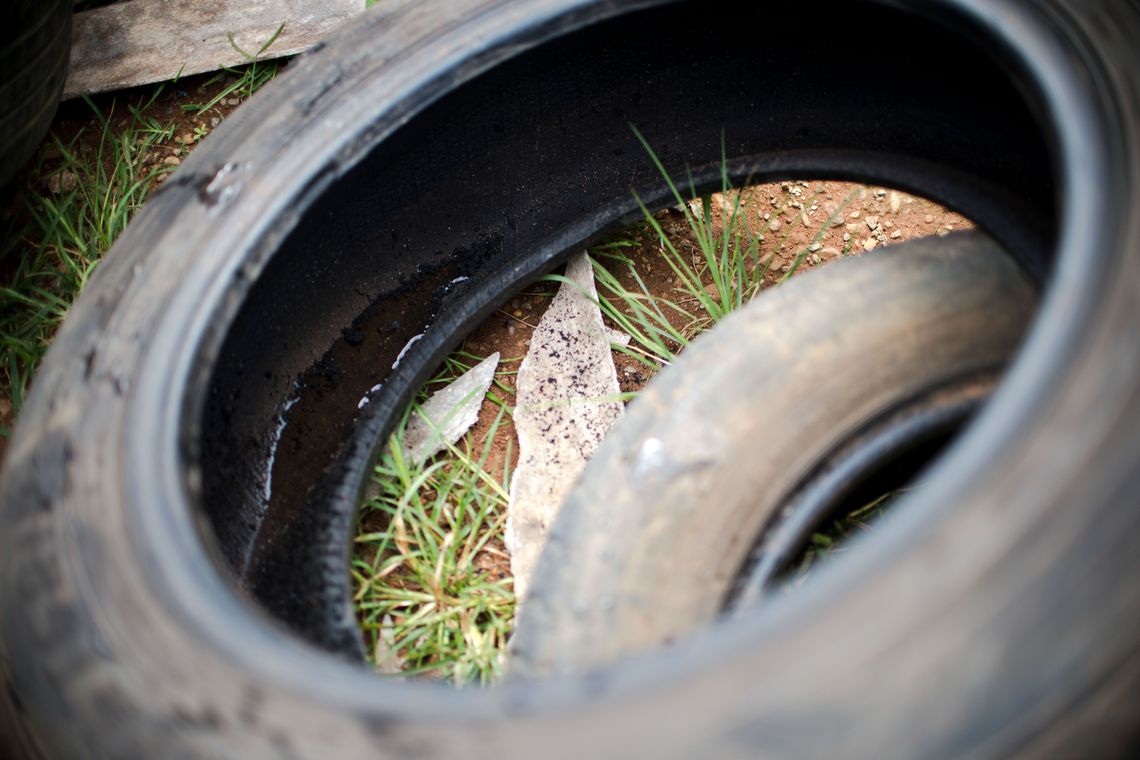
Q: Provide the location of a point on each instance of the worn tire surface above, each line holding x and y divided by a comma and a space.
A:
34, 47
156, 599
707, 456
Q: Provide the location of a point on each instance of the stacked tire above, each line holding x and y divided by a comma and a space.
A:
36, 41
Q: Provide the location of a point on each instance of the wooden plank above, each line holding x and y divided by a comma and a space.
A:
143, 41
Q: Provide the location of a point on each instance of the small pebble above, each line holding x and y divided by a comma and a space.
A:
835, 214
172, 160
869, 244
62, 182
896, 234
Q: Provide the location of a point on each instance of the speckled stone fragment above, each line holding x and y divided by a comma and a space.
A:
567, 401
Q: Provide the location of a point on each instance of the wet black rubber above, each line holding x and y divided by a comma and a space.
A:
174, 561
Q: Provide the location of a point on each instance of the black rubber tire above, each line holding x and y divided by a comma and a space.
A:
712, 452
324, 225
34, 48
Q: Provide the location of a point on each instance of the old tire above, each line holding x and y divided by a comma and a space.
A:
716, 447
34, 48
155, 599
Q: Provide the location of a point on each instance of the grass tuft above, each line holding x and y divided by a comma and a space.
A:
245, 79
67, 231
91, 188
431, 592
723, 271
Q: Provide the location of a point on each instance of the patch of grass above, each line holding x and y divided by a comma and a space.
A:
52, 255
245, 79
724, 272
428, 592
72, 214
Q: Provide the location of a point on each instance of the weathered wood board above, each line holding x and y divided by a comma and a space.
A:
143, 41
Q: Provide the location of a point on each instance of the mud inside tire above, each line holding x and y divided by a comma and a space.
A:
153, 596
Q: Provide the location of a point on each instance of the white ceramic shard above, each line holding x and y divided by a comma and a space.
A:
450, 412
567, 400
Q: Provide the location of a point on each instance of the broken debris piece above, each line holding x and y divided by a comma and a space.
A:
567, 400
450, 412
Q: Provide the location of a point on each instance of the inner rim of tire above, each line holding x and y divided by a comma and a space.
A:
889, 453
499, 180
